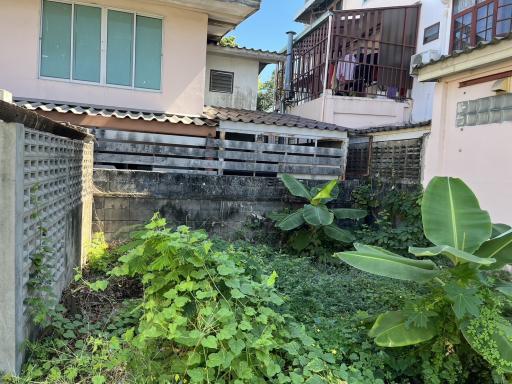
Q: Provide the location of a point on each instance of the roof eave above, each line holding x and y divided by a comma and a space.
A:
458, 62
261, 56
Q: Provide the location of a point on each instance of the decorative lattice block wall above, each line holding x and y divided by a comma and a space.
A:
46, 190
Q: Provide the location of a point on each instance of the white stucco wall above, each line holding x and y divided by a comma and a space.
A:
480, 155
355, 112
432, 11
183, 62
245, 84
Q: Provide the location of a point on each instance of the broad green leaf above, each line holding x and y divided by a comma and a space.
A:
500, 229
503, 339
339, 234
292, 221
324, 193
349, 213
371, 249
209, 342
300, 240
98, 286
383, 263
391, 330
506, 289
196, 375
277, 216
295, 187
499, 248
464, 300
452, 215
317, 215
453, 254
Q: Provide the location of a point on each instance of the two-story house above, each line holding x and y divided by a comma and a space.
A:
151, 71
472, 103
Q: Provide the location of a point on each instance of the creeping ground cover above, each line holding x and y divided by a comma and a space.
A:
176, 306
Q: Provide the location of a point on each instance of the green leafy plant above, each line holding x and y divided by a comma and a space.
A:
206, 320
464, 306
315, 218
394, 220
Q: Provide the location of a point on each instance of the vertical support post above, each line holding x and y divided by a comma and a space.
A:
326, 69
11, 252
343, 167
288, 71
222, 137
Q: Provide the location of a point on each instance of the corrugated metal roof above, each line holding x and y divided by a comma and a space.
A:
268, 118
467, 50
210, 117
388, 128
118, 113
257, 53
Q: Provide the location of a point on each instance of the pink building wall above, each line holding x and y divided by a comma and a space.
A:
481, 155
183, 62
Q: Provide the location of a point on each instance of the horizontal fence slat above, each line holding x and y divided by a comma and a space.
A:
152, 149
275, 158
157, 161
111, 146
265, 147
157, 138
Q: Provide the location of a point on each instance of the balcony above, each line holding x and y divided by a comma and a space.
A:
361, 53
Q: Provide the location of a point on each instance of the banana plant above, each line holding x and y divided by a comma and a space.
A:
464, 294
315, 217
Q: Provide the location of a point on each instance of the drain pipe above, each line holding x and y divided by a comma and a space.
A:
326, 69
288, 71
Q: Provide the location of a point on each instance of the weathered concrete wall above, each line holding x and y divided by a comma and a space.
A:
45, 204
355, 112
245, 81
220, 204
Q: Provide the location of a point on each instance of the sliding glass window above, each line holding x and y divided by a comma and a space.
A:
71, 46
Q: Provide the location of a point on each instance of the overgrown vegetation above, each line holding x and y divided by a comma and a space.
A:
394, 217
173, 306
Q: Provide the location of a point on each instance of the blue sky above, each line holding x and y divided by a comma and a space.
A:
267, 28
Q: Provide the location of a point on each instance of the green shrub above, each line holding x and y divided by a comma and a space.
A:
207, 320
394, 220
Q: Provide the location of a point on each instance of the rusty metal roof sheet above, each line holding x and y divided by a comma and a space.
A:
390, 128
268, 118
118, 113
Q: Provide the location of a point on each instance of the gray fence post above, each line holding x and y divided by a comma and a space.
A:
11, 243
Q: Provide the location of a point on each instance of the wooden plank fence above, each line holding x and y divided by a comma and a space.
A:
185, 154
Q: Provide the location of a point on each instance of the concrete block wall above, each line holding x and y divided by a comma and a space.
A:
220, 204
46, 198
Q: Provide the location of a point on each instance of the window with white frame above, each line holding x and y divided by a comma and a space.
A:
72, 49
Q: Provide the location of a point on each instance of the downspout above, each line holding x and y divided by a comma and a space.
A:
326, 70
288, 71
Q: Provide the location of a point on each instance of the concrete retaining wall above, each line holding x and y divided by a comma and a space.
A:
220, 204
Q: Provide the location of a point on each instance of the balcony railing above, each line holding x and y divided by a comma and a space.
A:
364, 53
